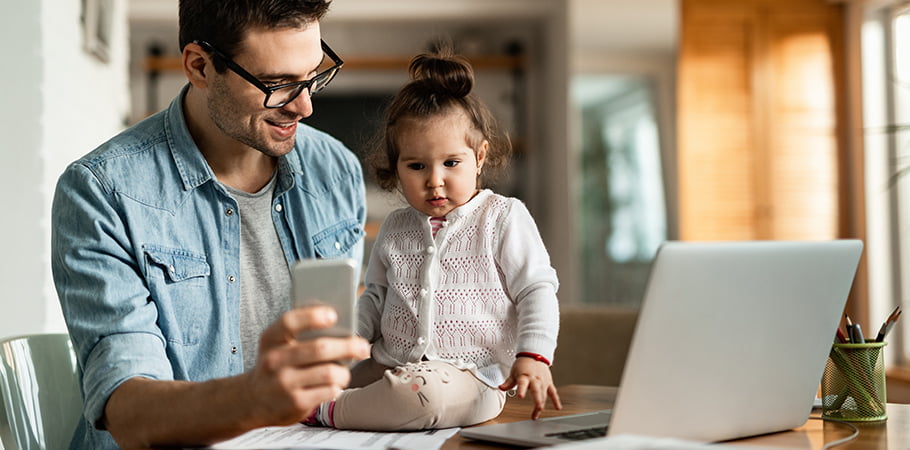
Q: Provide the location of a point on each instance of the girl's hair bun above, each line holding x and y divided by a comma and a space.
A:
443, 73
440, 84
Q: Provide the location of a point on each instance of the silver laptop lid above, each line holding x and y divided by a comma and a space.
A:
732, 337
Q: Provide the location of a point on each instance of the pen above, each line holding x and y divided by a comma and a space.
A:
849, 327
889, 323
856, 334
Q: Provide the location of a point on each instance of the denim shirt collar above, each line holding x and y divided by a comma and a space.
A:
193, 168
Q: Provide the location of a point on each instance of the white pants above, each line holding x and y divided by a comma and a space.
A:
416, 396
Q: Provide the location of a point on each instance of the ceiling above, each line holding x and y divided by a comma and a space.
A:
614, 25
625, 25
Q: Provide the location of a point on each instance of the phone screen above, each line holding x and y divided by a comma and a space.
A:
330, 282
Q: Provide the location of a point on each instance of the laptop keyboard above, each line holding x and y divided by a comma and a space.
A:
582, 434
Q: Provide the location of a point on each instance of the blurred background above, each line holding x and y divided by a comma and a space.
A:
634, 122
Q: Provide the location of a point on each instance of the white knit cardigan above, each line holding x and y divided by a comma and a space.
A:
480, 292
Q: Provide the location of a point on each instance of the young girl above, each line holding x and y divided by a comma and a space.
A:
460, 301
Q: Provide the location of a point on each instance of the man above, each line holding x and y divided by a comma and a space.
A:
172, 242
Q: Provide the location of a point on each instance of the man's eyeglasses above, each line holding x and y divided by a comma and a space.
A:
278, 96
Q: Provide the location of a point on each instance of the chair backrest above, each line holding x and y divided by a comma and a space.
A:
593, 344
39, 391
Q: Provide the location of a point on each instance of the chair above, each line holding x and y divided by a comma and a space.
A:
593, 344
39, 392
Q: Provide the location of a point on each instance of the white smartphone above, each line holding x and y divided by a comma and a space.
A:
330, 282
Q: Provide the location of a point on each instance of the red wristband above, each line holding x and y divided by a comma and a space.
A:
533, 356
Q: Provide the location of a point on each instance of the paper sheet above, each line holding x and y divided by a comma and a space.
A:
300, 436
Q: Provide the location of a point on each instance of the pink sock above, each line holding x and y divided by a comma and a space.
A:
322, 416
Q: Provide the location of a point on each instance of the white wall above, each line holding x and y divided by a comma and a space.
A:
21, 274
58, 102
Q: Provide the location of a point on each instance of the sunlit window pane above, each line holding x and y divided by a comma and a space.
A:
622, 207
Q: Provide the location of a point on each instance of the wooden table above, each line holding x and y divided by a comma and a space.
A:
893, 433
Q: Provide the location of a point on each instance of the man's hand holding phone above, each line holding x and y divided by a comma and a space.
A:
293, 376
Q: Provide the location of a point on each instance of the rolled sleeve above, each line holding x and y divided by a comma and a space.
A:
115, 359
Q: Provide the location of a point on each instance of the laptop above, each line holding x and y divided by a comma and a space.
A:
731, 341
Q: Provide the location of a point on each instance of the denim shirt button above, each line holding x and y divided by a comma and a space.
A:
229, 211
278, 207
231, 278
234, 349
337, 245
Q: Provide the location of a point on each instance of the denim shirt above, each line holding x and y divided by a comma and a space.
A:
146, 253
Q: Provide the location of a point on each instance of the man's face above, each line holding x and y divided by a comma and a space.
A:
274, 57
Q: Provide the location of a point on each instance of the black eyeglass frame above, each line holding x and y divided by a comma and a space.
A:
298, 85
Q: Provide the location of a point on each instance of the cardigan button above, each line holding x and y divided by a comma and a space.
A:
431, 250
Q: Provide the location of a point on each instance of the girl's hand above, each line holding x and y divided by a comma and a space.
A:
529, 374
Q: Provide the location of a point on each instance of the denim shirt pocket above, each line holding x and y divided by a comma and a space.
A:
177, 264
178, 282
338, 239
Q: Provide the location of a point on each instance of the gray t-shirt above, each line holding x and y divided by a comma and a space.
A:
265, 279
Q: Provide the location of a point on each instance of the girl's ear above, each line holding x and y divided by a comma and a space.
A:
482, 154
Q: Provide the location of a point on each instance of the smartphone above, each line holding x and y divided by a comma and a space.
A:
330, 282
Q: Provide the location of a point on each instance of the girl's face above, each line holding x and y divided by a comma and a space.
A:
437, 170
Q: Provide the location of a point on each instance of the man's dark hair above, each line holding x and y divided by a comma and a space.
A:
224, 23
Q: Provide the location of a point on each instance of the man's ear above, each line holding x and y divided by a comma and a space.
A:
195, 62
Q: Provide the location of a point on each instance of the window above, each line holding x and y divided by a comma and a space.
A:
622, 212
886, 117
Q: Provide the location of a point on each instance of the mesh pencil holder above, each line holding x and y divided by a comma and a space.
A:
853, 384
